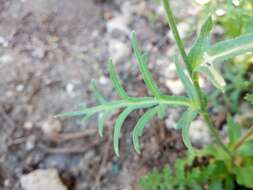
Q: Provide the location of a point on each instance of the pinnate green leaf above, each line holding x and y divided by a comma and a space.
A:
234, 130
117, 128
213, 76
249, 98
101, 120
142, 62
190, 90
97, 93
244, 176
246, 149
216, 185
196, 53
229, 48
184, 124
138, 129
116, 83
186, 119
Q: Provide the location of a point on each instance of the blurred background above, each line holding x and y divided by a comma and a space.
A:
49, 52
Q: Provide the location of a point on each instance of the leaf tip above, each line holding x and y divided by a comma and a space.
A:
100, 133
116, 150
132, 34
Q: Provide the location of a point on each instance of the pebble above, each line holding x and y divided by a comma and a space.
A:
172, 119
220, 12
30, 143
69, 88
3, 42
28, 125
183, 29
104, 80
127, 8
170, 71
42, 180
236, 2
143, 9
118, 50
202, 2
175, 85
52, 125
199, 133
218, 30
39, 53
20, 87
6, 59
119, 22
7, 183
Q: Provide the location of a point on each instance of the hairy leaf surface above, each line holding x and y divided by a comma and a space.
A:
196, 53
213, 76
190, 90
138, 129
101, 120
116, 83
230, 48
117, 128
142, 62
184, 124
97, 93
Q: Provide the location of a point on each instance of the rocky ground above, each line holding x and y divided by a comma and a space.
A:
49, 52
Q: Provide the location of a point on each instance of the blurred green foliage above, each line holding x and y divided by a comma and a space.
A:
209, 168
236, 19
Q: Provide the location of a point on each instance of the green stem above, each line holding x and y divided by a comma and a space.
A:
172, 23
215, 133
193, 74
247, 135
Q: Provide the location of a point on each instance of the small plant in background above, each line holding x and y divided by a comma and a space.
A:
209, 166
236, 18
235, 76
227, 164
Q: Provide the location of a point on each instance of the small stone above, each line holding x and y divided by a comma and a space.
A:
42, 180
175, 85
160, 11
120, 23
118, 50
142, 9
70, 88
202, 2
3, 42
236, 2
170, 71
10, 93
183, 29
20, 87
30, 143
127, 8
172, 119
28, 125
7, 183
103, 80
52, 125
220, 12
199, 133
202, 82
218, 30
6, 59
38, 53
